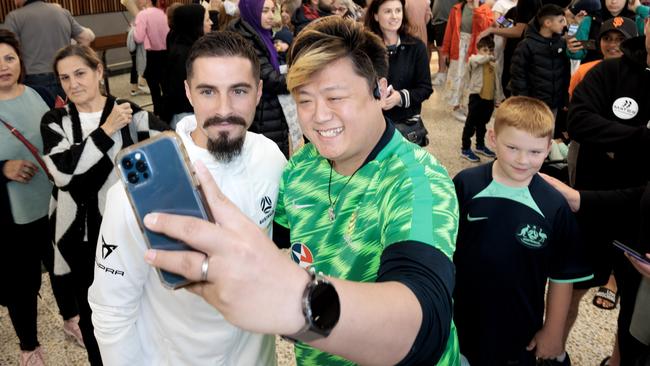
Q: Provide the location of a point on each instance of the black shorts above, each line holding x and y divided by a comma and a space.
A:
436, 32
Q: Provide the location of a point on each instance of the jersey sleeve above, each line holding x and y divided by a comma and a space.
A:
568, 262
280, 208
423, 208
120, 276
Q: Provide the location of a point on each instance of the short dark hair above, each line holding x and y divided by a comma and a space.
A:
487, 41
223, 44
329, 39
86, 53
373, 9
9, 38
154, 2
548, 11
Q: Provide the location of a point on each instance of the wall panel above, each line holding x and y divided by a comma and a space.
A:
80, 7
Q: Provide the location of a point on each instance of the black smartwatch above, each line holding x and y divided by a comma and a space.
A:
321, 308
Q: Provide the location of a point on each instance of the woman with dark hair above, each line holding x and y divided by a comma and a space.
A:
24, 197
254, 24
409, 78
190, 23
80, 142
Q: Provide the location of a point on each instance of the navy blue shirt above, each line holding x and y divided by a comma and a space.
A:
510, 241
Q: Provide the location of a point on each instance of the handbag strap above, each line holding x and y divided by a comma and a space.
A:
32, 149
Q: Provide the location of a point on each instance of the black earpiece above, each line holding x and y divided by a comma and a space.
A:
376, 92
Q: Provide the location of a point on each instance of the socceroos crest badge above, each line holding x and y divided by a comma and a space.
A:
531, 236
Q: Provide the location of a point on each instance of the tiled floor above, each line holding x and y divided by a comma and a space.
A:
589, 343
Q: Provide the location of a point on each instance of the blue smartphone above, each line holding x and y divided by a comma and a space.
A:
631, 252
158, 177
505, 22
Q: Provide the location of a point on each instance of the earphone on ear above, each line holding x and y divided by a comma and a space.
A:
376, 92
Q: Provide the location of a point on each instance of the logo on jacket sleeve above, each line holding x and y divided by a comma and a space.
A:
531, 236
266, 204
301, 254
107, 249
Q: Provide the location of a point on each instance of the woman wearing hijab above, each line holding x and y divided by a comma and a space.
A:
254, 24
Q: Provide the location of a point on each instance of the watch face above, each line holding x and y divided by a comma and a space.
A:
325, 306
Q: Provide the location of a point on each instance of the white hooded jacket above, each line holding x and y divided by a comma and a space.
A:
140, 322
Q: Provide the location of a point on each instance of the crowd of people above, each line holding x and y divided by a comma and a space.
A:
304, 123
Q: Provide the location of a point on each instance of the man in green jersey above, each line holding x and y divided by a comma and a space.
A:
372, 217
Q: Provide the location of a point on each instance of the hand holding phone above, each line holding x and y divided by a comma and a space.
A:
572, 30
504, 22
588, 44
158, 177
631, 252
120, 116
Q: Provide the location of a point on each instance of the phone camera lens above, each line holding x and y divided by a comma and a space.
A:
132, 177
141, 166
127, 163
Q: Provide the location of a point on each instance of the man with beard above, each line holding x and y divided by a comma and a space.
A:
137, 320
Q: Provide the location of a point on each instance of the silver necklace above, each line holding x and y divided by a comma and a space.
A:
330, 210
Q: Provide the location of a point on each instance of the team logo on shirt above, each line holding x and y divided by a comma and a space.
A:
107, 249
625, 108
266, 205
301, 254
531, 236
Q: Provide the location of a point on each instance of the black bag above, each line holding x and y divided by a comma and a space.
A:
413, 130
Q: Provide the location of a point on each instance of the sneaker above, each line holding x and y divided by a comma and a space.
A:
458, 114
140, 91
71, 329
439, 79
469, 155
144, 89
32, 358
566, 361
485, 152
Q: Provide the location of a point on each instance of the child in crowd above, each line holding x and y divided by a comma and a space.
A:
482, 86
467, 20
282, 41
515, 232
540, 67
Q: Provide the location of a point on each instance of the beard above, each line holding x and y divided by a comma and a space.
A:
224, 148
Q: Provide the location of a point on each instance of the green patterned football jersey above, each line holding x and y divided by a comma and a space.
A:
400, 194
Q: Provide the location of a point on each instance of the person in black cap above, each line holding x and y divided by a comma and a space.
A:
608, 116
282, 40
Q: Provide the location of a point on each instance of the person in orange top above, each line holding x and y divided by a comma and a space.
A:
467, 20
612, 33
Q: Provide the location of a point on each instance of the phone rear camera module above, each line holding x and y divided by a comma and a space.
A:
127, 163
141, 166
133, 177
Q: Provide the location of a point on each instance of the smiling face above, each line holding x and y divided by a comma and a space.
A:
268, 14
389, 16
9, 67
520, 155
224, 94
610, 44
79, 81
339, 115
